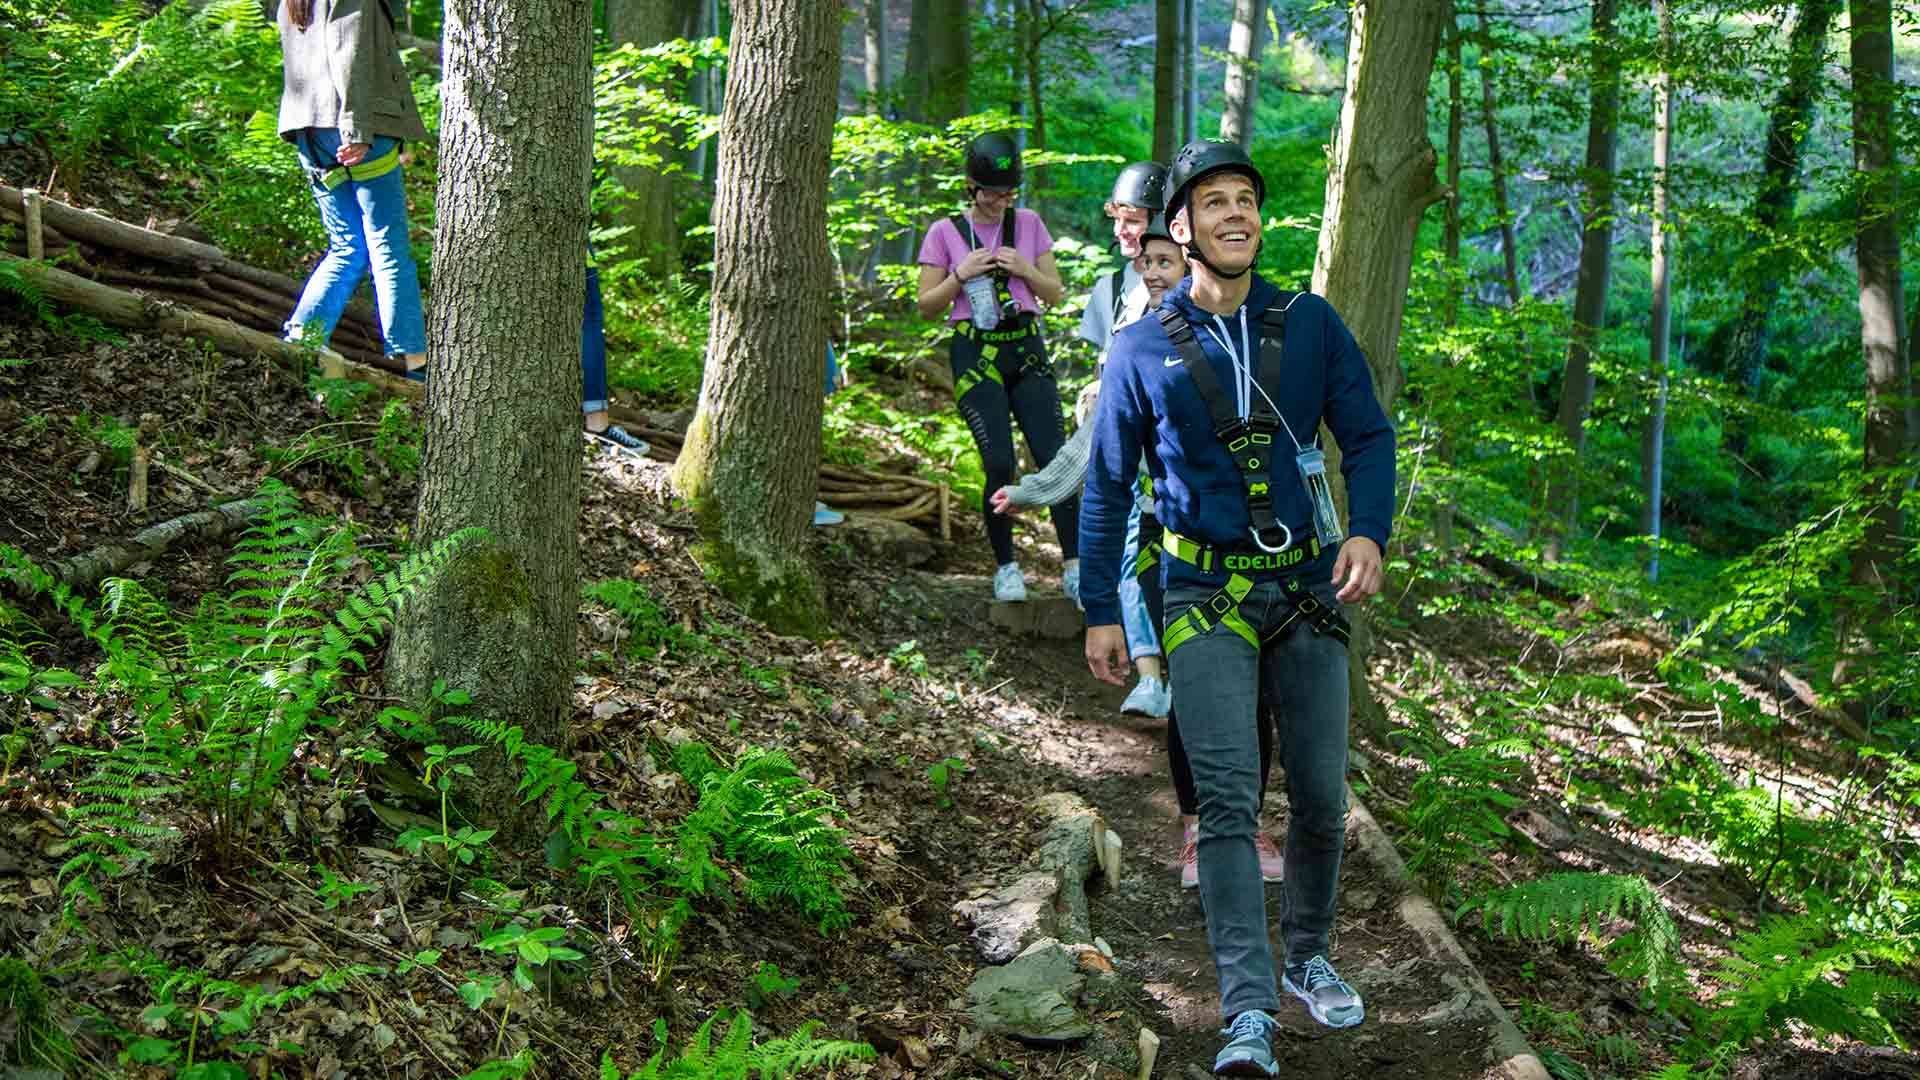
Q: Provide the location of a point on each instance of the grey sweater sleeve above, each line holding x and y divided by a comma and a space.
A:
1062, 478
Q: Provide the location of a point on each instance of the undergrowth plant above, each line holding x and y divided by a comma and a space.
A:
735, 1056
1563, 907
1456, 815
218, 701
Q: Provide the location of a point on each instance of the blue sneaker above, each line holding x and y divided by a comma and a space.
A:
1249, 1049
824, 515
1328, 997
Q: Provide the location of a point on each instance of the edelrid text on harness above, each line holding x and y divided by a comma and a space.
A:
1223, 608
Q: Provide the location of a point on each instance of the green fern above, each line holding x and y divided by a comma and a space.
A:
26, 290
1804, 968
1457, 811
221, 700
1563, 906
737, 1057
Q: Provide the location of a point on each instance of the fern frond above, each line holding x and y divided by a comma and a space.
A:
1563, 906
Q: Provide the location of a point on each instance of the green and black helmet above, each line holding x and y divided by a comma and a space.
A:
1202, 158
993, 161
1141, 184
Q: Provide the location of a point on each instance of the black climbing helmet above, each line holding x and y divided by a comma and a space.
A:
1141, 184
1202, 158
993, 161
1156, 230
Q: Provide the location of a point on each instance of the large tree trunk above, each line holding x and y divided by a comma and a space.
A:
1497, 166
1877, 251
1380, 181
1739, 349
648, 210
876, 43
1659, 320
1031, 39
1189, 71
913, 74
1166, 79
1596, 268
752, 451
949, 60
503, 400
1243, 70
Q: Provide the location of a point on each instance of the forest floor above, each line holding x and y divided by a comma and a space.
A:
932, 728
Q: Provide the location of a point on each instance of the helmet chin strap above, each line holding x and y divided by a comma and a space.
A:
1194, 253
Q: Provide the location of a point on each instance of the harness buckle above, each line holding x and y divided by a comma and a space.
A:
1260, 537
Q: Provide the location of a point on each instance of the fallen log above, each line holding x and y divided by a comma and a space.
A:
102, 231
83, 572
124, 309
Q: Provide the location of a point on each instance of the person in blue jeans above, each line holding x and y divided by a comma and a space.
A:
824, 515
347, 106
1224, 392
594, 397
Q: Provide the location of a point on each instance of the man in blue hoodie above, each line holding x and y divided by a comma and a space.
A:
1225, 392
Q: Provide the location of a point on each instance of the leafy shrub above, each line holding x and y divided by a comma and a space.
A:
1563, 906
737, 1057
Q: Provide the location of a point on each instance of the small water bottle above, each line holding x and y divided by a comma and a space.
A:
980, 296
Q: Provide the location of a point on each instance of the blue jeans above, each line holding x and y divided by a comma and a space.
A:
366, 223
1220, 681
593, 348
1135, 620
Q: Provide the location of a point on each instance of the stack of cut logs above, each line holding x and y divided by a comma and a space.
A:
126, 267
173, 268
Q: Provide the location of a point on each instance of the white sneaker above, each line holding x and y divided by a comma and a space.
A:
1009, 584
1150, 697
1070, 584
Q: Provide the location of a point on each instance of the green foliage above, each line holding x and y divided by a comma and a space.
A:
28, 1034
767, 986
648, 629
220, 700
735, 1056
943, 773
1455, 816
1565, 906
198, 1017
1828, 976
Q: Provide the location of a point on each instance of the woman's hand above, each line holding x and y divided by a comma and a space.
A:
1002, 502
352, 153
1014, 263
977, 262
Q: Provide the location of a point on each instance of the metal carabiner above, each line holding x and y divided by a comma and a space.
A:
1262, 544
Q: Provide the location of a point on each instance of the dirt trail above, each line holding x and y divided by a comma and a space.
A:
1421, 1021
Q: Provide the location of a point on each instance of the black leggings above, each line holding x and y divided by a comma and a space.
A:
1183, 791
999, 383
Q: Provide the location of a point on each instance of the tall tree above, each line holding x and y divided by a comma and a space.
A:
649, 211
1739, 348
913, 74
876, 43
1596, 263
1189, 70
1033, 33
1166, 78
1497, 165
1244, 41
1379, 183
1450, 249
1659, 316
1882, 306
503, 391
752, 455
949, 59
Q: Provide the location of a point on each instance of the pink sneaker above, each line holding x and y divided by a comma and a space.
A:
1273, 864
1190, 858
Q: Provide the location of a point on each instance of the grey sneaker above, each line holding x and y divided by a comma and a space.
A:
1150, 697
618, 438
1328, 997
1249, 1049
1009, 584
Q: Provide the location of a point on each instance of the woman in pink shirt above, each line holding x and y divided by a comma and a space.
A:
987, 271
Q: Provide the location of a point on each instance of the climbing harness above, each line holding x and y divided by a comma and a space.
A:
1223, 609
331, 179
986, 364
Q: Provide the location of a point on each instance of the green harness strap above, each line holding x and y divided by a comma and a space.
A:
366, 170
1222, 607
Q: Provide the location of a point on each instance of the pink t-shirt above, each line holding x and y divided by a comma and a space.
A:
945, 246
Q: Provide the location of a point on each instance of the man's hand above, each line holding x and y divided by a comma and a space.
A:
977, 262
1107, 654
1356, 573
352, 153
1002, 502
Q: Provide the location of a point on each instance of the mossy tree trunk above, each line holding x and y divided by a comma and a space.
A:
648, 210
503, 389
753, 449
949, 44
1381, 181
1166, 79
